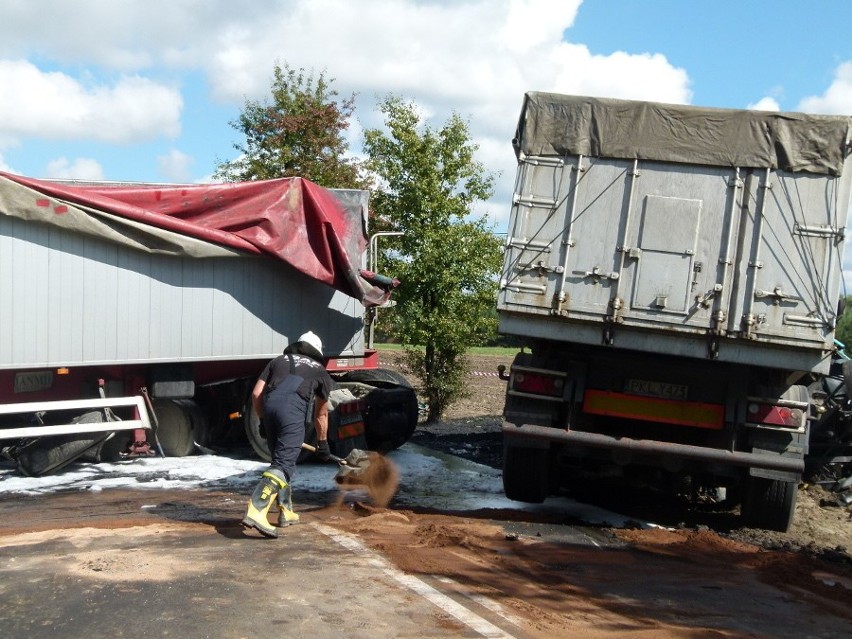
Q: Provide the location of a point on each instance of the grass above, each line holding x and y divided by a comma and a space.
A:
474, 350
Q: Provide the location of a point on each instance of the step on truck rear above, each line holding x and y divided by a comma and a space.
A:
674, 276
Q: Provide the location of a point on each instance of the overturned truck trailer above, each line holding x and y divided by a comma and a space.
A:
674, 273
138, 316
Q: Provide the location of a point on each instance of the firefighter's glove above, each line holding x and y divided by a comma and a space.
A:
323, 451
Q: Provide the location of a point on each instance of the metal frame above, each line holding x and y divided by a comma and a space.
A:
137, 401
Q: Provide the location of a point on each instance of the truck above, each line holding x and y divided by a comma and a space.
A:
135, 318
673, 275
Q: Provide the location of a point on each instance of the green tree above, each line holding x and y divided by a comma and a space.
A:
447, 262
299, 133
843, 331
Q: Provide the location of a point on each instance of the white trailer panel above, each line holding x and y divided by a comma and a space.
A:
74, 300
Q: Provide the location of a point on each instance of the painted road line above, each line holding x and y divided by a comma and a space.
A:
442, 601
483, 601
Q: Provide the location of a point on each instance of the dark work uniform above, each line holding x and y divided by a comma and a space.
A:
291, 380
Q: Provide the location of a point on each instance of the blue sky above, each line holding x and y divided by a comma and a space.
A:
735, 53
144, 90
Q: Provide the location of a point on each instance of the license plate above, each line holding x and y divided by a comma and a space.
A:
31, 382
655, 389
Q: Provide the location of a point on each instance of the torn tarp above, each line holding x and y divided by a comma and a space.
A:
319, 232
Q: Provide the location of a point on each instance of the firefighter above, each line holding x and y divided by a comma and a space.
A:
282, 397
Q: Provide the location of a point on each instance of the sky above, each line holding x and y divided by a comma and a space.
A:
146, 90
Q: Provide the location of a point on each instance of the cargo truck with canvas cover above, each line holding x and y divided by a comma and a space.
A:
674, 273
134, 305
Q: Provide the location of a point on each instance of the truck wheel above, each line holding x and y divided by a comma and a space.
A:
256, 438
847, 376
201, 433
769, 503
392, 410
175, 428
381, 377
110, 449
47, 455
525, 473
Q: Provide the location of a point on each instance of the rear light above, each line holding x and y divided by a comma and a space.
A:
348, 408
538, 384
772, 415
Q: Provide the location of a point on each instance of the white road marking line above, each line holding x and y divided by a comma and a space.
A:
591, 539
445, 603
483, 601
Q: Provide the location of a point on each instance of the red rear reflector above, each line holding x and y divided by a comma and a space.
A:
537, 384
350, 430
775, 415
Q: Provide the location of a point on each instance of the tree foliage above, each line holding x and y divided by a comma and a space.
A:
298, 133
447, 262
843, 331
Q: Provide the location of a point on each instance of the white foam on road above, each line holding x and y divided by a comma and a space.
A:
428, 479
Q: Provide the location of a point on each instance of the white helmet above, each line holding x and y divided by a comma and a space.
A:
312, 339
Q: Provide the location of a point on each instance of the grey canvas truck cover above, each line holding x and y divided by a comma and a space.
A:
700, 232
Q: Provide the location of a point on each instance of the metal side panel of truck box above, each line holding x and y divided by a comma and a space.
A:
703, 233
72, 298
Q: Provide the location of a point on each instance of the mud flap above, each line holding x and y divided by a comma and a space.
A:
778, 444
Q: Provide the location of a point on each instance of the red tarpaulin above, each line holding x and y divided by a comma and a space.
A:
290, 219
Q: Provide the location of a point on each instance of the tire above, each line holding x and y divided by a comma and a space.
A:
175, 427
110, 449
47, 455
392, 411
257, 439
847, 376
381, 377
201, 433
769, 503
525, 474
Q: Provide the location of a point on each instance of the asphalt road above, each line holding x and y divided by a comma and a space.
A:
178, 564
89, 560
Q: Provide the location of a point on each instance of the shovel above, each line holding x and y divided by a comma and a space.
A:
368, 470
313, 449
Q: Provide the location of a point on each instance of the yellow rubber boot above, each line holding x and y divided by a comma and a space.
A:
257, 512
286, 516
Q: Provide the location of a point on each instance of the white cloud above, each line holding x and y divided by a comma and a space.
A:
837, 99
55, 106
77, 169
175, 166
765, 104
6, 167
476, 58
524, 29
620, 75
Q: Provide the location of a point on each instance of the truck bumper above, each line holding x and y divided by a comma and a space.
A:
766, 461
